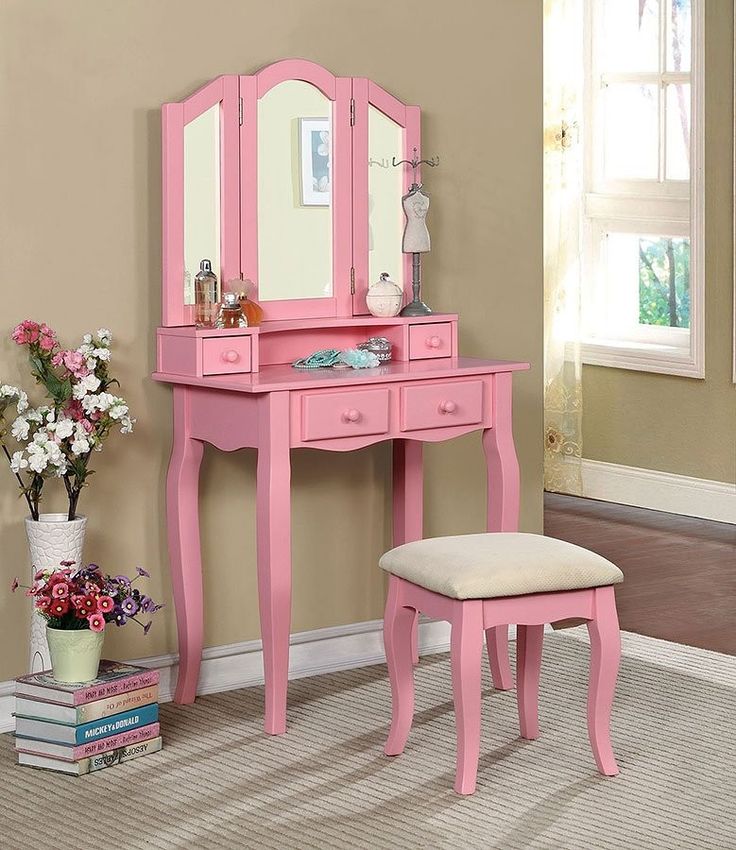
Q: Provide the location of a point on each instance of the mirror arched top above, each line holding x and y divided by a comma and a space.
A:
308, 204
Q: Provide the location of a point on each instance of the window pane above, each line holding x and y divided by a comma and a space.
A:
630, 35
631, 134
664, 281
678, 35
678, 132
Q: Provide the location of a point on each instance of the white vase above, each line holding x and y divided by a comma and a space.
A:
75, 653
51, 540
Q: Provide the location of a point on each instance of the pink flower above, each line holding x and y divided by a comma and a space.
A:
88, 426
73, 361
105, 604
60, 590
96, 622
26, 332
47, 338
15, 585
42, 602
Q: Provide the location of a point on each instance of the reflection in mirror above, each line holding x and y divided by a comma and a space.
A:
201, 196
385, 188
294, 193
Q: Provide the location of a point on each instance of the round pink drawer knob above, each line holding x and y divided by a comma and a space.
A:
230, 356
433, 342
351, 415
448, 407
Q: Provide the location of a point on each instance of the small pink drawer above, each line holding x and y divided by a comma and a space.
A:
225, 355
441, 405
328, 416
432, 340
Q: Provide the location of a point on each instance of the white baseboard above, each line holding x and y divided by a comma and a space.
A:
240, 665
659, 491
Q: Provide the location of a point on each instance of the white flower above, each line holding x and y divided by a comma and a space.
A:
80, 446
20, 428
37, 458
102, 353
18, 462
126, 424
87, 347
86, 385
51, 416
91, 364
36, 414
118, 409
64, 428
104, 336
21, 403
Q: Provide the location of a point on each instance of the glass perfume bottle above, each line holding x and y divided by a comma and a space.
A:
231, 313
205, 296
251, 309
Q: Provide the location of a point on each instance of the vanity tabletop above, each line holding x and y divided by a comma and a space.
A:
284, 376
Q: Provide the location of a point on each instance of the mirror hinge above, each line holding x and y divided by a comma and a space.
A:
352, 111
240, 111
352, 280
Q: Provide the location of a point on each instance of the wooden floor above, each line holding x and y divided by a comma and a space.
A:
680, 572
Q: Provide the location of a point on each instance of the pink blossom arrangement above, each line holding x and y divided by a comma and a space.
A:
86, 599
56, 440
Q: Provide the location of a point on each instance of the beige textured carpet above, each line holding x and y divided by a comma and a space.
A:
220, 783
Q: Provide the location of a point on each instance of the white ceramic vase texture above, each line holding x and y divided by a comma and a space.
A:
51, 540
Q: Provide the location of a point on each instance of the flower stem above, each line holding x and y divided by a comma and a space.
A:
34, 511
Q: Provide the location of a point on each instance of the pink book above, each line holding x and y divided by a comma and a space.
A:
115, 677
67, 752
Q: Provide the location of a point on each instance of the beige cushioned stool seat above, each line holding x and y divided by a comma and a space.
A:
484, 566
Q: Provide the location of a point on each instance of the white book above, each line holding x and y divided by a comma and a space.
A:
92, 763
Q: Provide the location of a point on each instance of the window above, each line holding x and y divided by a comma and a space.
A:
642, 267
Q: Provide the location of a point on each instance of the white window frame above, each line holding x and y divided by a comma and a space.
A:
636, 206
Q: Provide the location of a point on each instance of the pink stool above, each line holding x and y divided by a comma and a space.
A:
478, 582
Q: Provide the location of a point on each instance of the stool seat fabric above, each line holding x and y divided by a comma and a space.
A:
486, 566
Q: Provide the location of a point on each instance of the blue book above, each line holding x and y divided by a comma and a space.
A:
63, 733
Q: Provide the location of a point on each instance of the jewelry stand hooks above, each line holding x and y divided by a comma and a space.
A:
415, 162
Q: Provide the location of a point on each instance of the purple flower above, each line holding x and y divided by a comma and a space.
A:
120, 618
122, 580
129, 606
142, 572
147, 604
92, 567
147, 627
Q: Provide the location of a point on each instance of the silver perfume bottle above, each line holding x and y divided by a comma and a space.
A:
205, 296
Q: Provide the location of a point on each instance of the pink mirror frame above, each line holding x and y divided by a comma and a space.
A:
238, 98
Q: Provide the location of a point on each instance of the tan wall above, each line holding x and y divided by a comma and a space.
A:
665, 422
80, 220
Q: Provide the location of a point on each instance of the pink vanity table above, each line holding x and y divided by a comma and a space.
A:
244, 185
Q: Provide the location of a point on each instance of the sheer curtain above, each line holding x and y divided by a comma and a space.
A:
563, 187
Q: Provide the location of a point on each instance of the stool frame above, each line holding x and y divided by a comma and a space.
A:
469, 619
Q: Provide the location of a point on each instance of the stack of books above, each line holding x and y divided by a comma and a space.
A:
80, 728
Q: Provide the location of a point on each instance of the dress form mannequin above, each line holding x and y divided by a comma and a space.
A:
416, 241
416, 236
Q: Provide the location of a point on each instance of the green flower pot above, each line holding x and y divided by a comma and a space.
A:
75, 653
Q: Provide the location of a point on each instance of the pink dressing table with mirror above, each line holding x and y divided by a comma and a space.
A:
241, 189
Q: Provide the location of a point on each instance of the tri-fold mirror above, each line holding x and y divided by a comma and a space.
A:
286, 179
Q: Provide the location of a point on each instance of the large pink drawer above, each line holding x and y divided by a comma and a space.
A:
432, 340
225, 355
328, 416
441, 405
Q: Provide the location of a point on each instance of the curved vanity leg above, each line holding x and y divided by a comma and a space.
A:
529, 640
503, 502
274, 553
408, 498
397, 624
182, 516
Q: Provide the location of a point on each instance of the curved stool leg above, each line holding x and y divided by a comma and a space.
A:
497, 642
605, 654
466, 650
528, 665
398, 623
